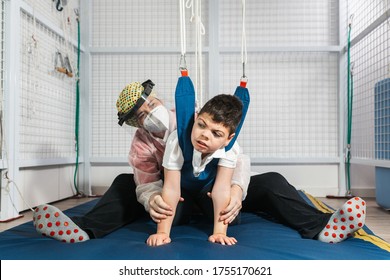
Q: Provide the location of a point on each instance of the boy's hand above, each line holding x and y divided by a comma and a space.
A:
159, 209
158, 239
222, 239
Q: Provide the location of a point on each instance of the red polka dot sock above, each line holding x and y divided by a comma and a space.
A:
50, 221
345, 221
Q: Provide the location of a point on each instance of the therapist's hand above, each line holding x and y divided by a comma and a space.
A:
159, 209
231, 211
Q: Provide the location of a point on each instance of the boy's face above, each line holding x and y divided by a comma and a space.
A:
208, 136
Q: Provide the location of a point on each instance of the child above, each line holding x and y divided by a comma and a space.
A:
130, 195
202, 163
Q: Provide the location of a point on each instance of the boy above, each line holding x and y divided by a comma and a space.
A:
202, 163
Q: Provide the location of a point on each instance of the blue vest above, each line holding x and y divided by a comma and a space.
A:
185, 113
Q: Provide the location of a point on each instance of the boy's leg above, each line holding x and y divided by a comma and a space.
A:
271, 193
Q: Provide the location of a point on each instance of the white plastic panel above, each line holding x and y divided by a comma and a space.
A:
141, 23
280, 23
64, 19
370, 58
294, 104
47, 97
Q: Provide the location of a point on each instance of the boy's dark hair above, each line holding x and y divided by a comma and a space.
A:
225, 109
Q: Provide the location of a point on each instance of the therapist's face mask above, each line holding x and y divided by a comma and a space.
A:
157, 120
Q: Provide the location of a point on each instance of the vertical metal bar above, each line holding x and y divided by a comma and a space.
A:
9, 197
342, 87
85, 82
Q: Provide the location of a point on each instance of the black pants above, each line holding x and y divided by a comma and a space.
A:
116, 208
268, 193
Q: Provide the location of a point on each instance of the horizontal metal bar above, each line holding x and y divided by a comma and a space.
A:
295, 161
254, 161
371, 162
48, 162
335, 48
109, 161
125, 50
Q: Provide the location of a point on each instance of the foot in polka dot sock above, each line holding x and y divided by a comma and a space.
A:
345, 221
50, 221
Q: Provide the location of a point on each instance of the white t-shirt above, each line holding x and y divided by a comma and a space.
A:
173, 156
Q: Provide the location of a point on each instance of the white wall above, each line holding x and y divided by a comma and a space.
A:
293, 60
297, 81
38, 124
46, 184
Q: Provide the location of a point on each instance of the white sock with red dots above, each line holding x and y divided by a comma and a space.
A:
50, 221
345, 221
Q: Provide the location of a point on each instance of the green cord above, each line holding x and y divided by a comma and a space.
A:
77, 109
349, 105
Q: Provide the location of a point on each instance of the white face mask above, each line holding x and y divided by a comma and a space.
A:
157, 120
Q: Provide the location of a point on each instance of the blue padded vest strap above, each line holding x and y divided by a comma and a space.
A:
185, 111
242, 94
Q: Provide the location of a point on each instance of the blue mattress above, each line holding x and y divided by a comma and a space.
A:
258, 238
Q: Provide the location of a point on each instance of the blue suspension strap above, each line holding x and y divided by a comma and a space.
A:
241, 93
185, 113
185, 103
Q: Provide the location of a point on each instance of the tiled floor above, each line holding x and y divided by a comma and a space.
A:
378, 219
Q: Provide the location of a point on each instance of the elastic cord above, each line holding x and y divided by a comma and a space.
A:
244, 56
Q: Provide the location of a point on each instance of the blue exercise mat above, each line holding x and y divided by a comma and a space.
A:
258, 238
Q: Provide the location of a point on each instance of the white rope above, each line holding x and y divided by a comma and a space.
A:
196, 16
244, 55
200, 31
182, 28
190, 5
7, 190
